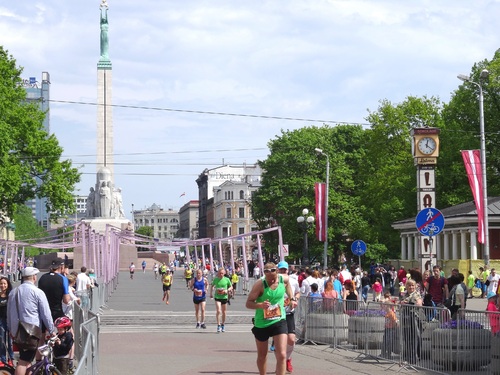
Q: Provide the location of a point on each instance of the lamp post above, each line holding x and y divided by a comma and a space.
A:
305, 222
484, 75
327, 187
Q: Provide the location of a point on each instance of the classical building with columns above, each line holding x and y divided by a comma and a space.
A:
458, 240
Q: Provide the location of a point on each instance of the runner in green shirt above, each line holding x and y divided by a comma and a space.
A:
222, 287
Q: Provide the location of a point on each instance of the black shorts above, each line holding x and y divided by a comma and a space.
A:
290, 322
27, 355
278, 328
222, 301
166, 287
198, 301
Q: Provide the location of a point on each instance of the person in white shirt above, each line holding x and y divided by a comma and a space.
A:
492, 281
83, 285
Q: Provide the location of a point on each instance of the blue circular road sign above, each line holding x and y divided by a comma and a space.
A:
358, 247
430, 221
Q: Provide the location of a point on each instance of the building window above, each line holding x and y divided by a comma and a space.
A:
241, 230
241, 212
152, 221
228, 213
226, 231
242, 194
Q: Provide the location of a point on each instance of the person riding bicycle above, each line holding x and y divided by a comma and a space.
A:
63, 344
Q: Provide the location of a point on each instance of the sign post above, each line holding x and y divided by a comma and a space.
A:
358, 248
429, 222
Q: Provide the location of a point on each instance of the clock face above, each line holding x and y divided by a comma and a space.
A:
427, 145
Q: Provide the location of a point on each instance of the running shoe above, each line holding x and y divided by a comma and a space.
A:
203, 326
289, 367
218, 328
271, 348
197, 325
222, 328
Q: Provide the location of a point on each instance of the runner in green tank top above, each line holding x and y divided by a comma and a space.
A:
267, 299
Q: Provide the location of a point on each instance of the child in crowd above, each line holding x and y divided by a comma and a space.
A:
63, 344
377, 290
402, 290
389, 341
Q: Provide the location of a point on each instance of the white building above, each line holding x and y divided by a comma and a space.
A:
165, 223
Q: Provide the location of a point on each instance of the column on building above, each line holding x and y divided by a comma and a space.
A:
410, 247
438, 247
446, 245
454, 245
463, 244
473, 244
404, 252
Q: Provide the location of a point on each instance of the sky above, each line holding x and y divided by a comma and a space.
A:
187, 73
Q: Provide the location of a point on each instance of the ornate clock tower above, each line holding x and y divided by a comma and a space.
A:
425, 150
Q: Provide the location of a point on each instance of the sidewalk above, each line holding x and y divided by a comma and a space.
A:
174, 346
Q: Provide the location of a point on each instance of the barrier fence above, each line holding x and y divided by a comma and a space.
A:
403, 334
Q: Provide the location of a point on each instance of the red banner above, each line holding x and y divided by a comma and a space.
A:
472, 161
320, 192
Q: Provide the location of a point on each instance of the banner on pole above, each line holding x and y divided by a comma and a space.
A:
472, 161
320, 192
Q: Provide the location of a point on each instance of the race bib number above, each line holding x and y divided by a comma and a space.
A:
287, 302
221, 291
198, 293
273, 312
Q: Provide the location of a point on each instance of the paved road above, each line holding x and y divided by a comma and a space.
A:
140, 333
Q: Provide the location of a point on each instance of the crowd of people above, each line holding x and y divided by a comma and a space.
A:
47, 303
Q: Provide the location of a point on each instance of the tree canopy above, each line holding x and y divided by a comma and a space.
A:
372, 175
30, 158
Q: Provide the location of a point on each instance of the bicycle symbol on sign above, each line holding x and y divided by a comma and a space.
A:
430, 229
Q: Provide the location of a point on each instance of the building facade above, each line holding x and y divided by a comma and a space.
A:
39, 94
165, 223
458, 239
188, 220
209, 182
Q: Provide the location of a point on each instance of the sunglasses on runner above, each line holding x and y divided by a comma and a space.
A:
270, 270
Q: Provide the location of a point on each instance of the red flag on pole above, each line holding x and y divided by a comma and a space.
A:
472, 161
320, 192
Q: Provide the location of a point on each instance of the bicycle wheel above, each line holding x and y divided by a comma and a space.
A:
7, 371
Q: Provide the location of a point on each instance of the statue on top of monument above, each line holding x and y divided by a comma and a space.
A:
104, 30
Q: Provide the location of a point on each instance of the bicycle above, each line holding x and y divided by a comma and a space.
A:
45, 366
6, 369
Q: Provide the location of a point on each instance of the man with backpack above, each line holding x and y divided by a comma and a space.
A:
437, 287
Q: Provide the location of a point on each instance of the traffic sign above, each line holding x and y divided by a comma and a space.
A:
358, 247
430, 221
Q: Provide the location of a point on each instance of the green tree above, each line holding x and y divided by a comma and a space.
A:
27, 229
390, 190
30, 164
289, 174
144, 231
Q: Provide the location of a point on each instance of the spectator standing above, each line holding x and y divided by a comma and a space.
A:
492, 281
437, 286
56, 288
83, 286
28, 304
471, 281
365, 286
6, 339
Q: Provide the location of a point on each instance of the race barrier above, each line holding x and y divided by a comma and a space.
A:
413, 337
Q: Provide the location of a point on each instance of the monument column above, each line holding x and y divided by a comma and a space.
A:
104, 99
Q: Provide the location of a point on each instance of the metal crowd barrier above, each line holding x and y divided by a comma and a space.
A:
86, 327
417, 337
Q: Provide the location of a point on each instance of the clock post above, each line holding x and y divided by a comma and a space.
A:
425, 150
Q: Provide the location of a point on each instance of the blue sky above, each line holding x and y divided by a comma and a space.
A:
310, 59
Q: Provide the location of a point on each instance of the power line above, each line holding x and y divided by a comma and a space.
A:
210, 112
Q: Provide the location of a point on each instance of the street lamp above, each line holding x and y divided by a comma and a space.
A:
484, 75
305, 222
327, 187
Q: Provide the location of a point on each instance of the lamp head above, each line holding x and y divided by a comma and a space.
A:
318, 150
484, 74
305, 211
463, 77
